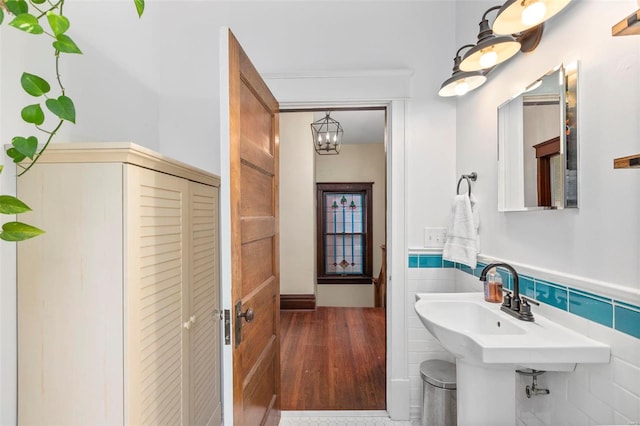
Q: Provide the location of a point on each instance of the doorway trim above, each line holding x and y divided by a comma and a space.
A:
380, 88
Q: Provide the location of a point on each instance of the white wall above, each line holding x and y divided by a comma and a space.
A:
600, 240
598, 245
297, 205
154, 81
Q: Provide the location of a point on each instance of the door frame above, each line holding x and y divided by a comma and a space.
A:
389, 89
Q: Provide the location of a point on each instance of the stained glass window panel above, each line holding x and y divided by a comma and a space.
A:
344, 224
344, 213
344, 233
344, 254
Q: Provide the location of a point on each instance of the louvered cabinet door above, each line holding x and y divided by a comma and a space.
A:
157, 302
204, 335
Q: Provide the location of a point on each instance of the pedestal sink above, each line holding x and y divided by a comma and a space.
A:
489, 345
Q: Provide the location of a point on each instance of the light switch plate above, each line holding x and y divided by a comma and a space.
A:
434, 237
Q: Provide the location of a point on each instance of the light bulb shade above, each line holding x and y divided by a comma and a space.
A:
454, 85
327, 136
510, 17
534, 13
504, 48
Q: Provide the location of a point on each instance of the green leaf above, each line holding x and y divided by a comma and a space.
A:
139, 7
16, 155
59, 24
18, 231
38, 1
17, 7
1, 15
62, 107
1, 167
25, 146
27, 23
33, 114
34, 85
64, 44
12, 205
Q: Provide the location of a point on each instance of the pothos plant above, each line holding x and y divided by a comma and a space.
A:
39, 17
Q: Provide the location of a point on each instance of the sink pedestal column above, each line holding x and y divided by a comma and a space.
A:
486, 394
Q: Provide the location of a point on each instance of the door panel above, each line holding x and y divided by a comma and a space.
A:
253, 165
258, 187
261, 332
255, 132
205, 299
256, 398
257, 264
157, 307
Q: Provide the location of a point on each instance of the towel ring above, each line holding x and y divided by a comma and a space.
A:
470, 177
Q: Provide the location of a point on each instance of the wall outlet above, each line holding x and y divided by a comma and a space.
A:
434, 237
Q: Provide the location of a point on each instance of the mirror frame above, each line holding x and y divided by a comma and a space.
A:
511, 177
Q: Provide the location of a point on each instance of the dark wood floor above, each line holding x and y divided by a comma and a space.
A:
333, 359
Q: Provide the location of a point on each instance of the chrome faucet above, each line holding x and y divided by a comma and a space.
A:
515, 305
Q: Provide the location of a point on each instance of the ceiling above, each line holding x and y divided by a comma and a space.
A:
360, 126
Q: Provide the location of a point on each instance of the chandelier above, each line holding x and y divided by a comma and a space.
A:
327, 135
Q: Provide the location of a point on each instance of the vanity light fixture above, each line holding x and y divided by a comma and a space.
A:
461, 82
327, 135
491, 49
516, 16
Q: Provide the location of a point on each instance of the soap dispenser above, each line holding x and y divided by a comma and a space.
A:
493, 287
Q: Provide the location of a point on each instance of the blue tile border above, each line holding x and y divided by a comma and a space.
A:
527, 286
430, 261
552, 294
615, 314
591, 307
426, 261
627, 318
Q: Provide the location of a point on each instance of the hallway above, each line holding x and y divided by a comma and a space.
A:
333, 359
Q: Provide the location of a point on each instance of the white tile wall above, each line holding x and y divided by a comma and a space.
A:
603, 394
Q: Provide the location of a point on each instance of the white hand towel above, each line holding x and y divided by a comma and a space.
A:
462, 244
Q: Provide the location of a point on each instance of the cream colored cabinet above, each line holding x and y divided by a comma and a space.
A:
117, 302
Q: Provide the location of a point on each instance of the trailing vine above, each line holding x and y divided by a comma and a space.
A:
39, 17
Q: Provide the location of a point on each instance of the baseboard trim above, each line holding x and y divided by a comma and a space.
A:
297, 302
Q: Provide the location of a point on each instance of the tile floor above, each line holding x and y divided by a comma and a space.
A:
340, 418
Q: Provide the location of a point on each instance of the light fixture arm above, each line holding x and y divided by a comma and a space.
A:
484, 17
458, 58
485, 29
463, 47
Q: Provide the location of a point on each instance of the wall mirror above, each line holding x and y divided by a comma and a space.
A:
538, 144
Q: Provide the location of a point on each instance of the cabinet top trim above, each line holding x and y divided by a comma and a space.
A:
125, 152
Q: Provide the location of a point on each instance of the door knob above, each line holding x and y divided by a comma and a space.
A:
247, 315
187, 324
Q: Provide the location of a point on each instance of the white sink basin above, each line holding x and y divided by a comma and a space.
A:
478, 332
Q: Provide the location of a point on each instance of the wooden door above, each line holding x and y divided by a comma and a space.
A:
253, 152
